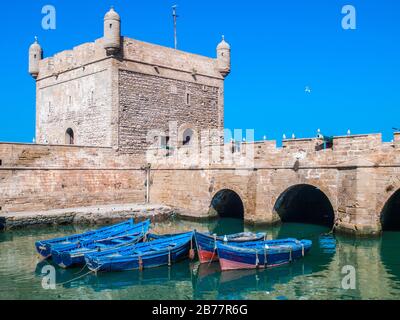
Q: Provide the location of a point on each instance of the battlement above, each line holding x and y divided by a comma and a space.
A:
164, 57
132, 50
24, 155
357, 142
67, 60
310, 151
396, 139
307, 144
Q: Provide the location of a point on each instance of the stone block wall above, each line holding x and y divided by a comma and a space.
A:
79, 99
356, 145
149, 103
41, 177
358, 177
115, 101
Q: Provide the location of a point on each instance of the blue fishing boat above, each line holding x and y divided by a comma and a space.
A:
44, 247
207, 243
160, 252
265, 254
74, 255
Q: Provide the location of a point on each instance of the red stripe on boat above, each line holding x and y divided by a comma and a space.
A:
233, 265
206, 256
277, 265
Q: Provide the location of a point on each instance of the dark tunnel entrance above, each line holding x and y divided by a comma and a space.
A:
390, 217
305, 204
227, 204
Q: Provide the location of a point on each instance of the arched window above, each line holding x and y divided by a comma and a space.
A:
69, 136
187, 137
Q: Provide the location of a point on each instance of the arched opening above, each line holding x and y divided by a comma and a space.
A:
69, 137
390, 216
187, 137
305, 204
227, 204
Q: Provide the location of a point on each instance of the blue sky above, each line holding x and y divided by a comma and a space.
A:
278, 48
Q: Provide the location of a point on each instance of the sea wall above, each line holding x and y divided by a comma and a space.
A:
43, 177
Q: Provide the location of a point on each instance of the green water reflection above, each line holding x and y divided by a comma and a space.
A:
318, 276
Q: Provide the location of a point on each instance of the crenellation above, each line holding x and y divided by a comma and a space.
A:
357, 142
164, 57
396, 139
78, 57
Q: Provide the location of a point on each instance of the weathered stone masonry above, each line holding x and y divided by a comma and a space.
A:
358, 176
147, 101
111, 93
43, 177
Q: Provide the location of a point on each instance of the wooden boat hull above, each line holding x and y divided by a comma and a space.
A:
45, 247
206, 244
74, 255
161, 252
268, 254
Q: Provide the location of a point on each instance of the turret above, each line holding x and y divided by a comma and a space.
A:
224, 57
35, 55
112, 32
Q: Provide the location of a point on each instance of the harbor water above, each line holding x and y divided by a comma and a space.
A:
323, 274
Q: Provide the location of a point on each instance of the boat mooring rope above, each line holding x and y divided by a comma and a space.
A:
257, 259
215, 250
265, 256
191, 252
77, 278
140, 263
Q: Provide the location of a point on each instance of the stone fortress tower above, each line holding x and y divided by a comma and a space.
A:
113, 92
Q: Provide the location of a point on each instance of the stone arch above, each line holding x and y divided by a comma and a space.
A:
187, 137
390, 212
70, 138
307, 203
228, 202
184, 131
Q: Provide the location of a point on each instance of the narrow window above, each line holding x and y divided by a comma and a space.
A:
187, 137
69, 137
1, 162
110, 25
188, 99
165, 142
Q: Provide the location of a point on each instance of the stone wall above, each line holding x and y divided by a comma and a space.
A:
149, 103
357, 176
42, 177
79, 99
115, 101
358, 179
